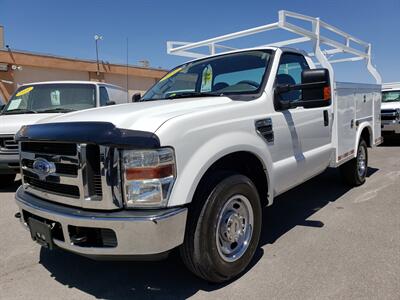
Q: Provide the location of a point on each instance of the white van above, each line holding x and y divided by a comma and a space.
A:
38, 101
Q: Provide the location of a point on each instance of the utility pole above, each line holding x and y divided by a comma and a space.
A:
97, 37
127, 69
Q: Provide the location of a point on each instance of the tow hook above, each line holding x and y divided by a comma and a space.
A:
17, 215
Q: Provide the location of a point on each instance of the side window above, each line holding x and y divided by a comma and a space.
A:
117, 95
289, 72
103, 96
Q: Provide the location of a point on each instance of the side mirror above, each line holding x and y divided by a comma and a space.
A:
2, 107
136, 97
110, 103
315, 87
318, 82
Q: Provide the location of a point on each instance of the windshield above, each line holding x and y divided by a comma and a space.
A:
391, 96
230, 74
43, 98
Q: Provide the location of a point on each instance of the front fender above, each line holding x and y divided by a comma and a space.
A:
206, 154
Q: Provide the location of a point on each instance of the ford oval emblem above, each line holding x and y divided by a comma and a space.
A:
43, 168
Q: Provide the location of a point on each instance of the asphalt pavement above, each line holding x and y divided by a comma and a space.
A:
321, 240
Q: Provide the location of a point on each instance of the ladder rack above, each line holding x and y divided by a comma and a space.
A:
362, 52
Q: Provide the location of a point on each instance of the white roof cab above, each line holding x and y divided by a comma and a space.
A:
390, 113
39, 101
192, 164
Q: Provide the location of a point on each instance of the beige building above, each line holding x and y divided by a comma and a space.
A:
19, 67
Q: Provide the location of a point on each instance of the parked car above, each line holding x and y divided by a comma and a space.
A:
194, 162
42, 100
390, 113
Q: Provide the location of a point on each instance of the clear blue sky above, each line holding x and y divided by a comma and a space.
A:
67, 27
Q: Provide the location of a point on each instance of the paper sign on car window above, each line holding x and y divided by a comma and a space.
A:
24, 91
206, 79
14, 104
55, 98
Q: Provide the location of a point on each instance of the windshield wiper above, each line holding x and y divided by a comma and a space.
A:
19, 111
55, 110
193, 94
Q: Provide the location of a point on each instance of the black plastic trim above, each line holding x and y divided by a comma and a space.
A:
265, 129
99, 133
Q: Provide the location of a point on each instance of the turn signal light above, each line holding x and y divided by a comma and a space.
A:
149, 173
327, 93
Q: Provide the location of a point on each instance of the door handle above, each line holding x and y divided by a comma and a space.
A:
326, 118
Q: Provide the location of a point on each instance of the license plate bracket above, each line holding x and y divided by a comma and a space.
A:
41, 233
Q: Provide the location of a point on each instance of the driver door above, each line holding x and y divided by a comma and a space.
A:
302, 146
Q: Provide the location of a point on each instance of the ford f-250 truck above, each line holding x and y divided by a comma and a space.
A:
34, 102
390, 113
193, 163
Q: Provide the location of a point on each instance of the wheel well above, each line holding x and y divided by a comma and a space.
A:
244, 163
366, 136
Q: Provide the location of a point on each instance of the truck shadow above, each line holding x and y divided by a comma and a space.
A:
12, 188
391, 141
169, 278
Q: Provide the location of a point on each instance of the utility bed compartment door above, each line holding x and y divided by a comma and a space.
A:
346, 114
356, 104
363, 104
377, 98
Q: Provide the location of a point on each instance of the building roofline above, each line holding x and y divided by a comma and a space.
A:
35, 59
73, 82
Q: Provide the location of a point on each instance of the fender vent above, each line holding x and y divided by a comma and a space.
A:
265, 130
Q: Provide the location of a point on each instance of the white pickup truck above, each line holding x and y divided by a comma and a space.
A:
34, 102
390, 113
192, 165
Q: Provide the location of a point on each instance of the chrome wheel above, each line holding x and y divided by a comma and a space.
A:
361, 162
234, 228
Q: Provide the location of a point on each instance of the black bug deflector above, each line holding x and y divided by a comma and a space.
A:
99, 133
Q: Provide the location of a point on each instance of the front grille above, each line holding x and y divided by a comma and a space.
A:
75, 178
389, 114
93, 170
97, 185
61, 168
8, 145
80, 175
56, 188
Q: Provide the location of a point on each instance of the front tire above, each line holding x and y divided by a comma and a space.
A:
6, 180
355, 171
223, 229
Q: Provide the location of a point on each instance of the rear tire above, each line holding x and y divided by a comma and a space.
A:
6, 180
355, 171
223, 229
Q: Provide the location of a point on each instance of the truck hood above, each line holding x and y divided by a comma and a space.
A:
143, 116
10, 124
390, 105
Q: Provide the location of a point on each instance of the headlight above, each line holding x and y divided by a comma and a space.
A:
148, 177
398, 113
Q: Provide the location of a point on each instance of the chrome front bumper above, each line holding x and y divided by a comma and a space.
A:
138, 233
